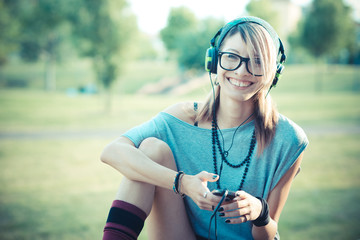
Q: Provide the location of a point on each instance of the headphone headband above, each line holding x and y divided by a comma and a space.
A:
221, 34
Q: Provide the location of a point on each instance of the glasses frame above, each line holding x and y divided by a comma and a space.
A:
242, 59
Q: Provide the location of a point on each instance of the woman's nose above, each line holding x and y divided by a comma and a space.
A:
241, 70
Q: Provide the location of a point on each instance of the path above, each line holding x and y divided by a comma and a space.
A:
113, 133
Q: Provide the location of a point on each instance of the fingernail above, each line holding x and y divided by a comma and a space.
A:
221, 214
227, 200
221, 209
227, 221
215, 176
212, 207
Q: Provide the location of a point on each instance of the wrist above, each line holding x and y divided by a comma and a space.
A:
177, 183
264, 217
184, 183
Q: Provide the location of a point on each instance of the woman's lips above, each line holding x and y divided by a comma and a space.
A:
239, 83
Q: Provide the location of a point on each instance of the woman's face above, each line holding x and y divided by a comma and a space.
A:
238, 84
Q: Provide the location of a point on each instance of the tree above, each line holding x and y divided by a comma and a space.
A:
180, 21
36, 28
10, 30
187, 38
103, 30
264, 9
194, 43
328, 28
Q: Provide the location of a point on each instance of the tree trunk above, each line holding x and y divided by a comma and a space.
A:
108, 101
50, 73
50, 62
319, 75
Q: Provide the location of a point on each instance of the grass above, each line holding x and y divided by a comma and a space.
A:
49, 189
324, 197
56, 188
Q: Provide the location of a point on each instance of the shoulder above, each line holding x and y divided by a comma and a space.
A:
287, 130
184, 111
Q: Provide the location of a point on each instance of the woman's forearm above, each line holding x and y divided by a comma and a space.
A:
135, 165
266, 232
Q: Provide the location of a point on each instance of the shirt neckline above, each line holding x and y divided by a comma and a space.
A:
249, 124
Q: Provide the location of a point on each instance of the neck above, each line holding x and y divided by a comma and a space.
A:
232, 113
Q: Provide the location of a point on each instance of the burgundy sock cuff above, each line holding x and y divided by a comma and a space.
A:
130, 208
125, 220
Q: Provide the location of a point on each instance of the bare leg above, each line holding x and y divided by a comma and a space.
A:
168, 218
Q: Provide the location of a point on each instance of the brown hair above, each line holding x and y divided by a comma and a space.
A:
258, 42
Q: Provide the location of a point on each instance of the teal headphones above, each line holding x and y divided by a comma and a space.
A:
212, 53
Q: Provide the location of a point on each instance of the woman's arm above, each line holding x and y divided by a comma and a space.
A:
246, 207
276, 200
122, 155
135, 165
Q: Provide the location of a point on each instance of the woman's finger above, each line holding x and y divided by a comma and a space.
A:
235, 204
235, 213
238, 220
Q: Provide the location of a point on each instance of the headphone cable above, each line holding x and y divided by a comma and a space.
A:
214, 214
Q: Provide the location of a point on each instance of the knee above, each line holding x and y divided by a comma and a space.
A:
158, 151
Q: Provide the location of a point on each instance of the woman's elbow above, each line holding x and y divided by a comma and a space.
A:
111, 153
105, 154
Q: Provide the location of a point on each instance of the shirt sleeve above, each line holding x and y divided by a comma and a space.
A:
151, 128
293, 142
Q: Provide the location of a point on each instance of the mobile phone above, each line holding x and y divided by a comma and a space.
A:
230, 196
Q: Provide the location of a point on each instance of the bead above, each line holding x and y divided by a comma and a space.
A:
246, 161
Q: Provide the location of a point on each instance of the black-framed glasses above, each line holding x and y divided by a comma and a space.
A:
231, 61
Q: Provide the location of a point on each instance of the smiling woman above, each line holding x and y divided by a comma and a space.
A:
235, 140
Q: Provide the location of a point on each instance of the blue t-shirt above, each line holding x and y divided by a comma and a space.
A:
192, 149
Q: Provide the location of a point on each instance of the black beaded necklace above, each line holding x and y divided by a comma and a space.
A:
224, 154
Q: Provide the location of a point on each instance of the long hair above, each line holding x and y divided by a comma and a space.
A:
260, 45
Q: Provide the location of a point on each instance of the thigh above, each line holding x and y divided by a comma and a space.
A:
168, 218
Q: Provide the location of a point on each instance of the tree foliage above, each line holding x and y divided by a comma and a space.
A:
327, 28
188, 38
180, 21
10, 30
194, 43
102, 30
37, 29
264, 9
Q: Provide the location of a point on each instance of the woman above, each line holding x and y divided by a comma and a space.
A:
235, 140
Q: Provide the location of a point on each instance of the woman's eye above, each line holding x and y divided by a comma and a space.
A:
232, 57
257, 61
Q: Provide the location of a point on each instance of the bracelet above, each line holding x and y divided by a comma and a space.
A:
176, 185
179, 185
264, 217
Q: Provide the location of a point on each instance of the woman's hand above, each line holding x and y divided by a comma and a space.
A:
244, 207
195, 186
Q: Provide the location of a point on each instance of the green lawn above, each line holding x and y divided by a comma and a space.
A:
55, 187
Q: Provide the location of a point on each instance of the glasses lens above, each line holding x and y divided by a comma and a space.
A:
254, 66
229, 61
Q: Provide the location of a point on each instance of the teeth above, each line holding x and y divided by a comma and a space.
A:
239, 83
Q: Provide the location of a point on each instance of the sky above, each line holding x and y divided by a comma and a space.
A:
152, 14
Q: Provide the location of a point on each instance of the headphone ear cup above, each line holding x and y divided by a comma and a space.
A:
211, 60
279, 70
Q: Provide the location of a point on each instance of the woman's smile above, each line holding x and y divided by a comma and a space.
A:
239, 83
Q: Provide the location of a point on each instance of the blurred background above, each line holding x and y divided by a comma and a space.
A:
76, 74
